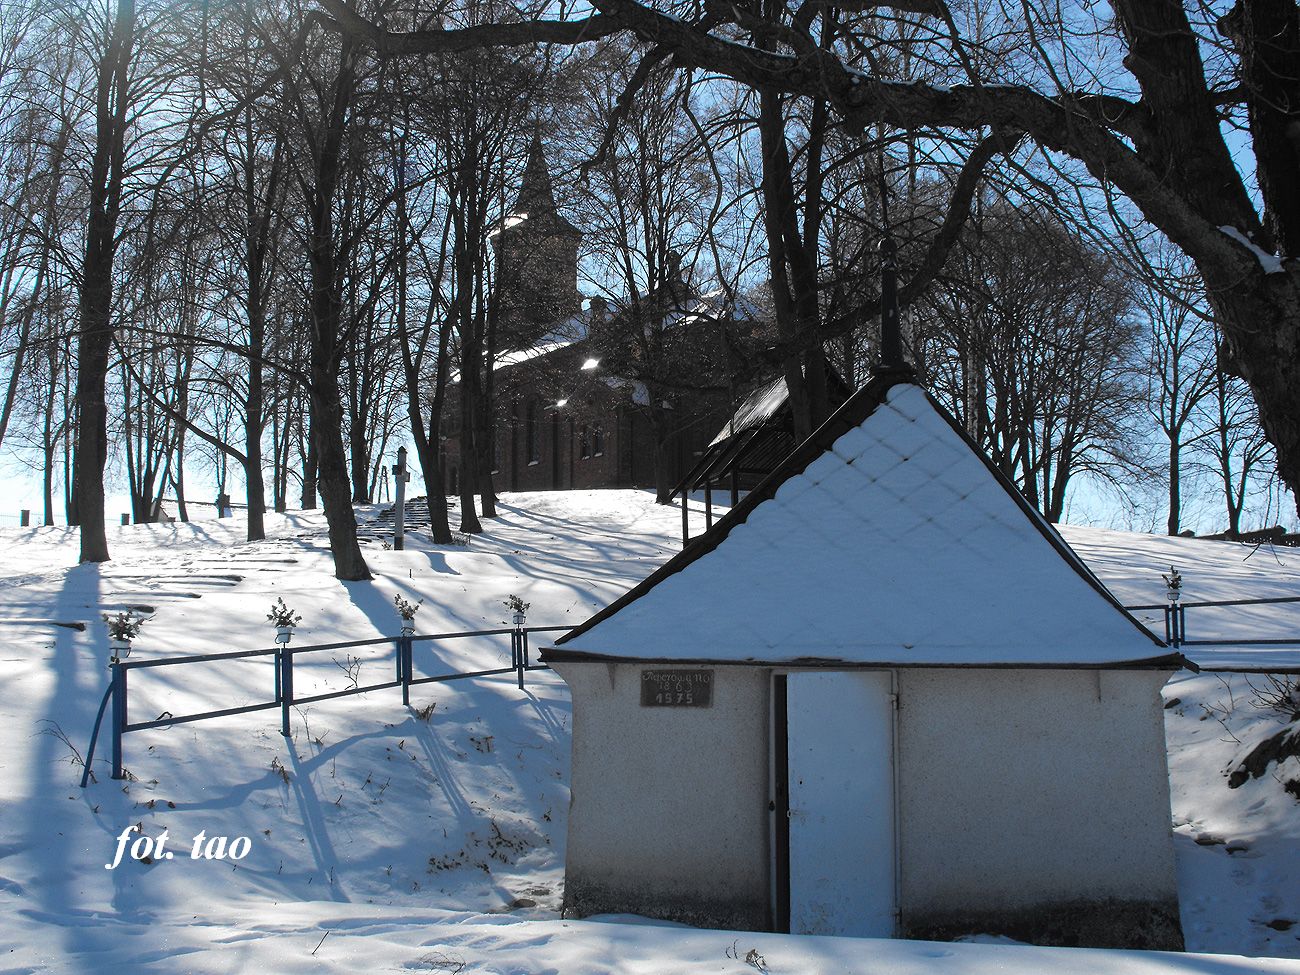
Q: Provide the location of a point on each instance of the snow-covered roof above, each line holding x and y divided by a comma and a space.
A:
898, 545
757, 408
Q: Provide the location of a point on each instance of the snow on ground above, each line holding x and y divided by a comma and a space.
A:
414, 840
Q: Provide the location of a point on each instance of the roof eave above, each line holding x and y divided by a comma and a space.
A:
1170, 661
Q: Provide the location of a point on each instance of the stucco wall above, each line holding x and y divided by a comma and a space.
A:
668, 815
1036, 803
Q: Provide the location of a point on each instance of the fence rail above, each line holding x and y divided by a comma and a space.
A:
117, 694
1175, 616
1176, 622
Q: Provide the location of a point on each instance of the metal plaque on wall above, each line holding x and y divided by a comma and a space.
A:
676, 688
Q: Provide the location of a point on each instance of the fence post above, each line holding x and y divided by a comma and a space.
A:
286, 687
519, 645
1175, 620
404, 667
119, 715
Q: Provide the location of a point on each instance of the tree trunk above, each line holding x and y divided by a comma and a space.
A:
95, 335
310, 464
1175, 483
659, 427
467, 226
326, 351
469, 473
1261, 322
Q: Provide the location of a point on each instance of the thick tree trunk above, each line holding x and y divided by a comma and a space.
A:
257, 249
310, 465
349, 563
792, 262
468, 225
659, 426
178, 481
1260, 319
326, 352
426, 437
49, 439
1174, 524
1258, 307
426, 446
469, 473
95, 330
357, 435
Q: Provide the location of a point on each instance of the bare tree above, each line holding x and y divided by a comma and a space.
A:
650, 208
1181, 372
1032, 331
1144, 120
1234, 452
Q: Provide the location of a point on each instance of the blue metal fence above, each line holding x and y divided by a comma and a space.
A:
405, 677
1175, 616
1176, 622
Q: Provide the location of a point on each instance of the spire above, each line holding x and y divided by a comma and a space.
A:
536, 195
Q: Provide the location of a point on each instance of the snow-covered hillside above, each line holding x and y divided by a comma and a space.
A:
432, 839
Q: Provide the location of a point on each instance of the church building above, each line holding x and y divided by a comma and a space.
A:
565, 416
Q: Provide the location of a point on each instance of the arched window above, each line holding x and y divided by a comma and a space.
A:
598, 440
584, 442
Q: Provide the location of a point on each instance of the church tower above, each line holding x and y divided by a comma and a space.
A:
536, 253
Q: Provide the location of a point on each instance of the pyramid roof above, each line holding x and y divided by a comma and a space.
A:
885, 539
536, 199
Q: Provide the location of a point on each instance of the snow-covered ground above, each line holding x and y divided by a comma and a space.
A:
388, 839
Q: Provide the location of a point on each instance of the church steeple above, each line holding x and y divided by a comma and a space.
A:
537, 258
536, 195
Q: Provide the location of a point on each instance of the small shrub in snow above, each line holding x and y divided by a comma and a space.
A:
278, 768
1173, 583
282, 615
56, 732
351, 667
406, 609
437, 961
123, 626
1277, 692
